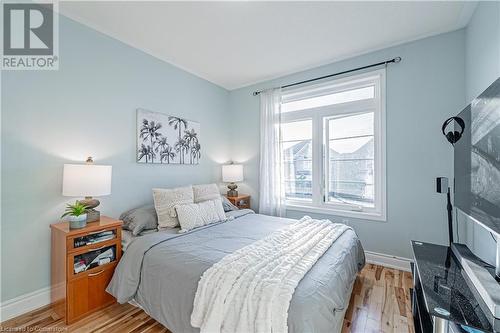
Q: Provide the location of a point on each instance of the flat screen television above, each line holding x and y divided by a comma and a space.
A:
477, 160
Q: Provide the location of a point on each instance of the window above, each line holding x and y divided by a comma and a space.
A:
333, 147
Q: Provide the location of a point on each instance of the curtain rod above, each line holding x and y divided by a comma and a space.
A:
394, 60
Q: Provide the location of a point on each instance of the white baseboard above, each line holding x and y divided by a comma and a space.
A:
25, 303
388, 261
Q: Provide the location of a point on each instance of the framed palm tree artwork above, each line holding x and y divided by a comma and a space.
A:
164, 139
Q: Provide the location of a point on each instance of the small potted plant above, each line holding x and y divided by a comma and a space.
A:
77, 213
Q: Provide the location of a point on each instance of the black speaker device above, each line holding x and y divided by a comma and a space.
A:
441, 185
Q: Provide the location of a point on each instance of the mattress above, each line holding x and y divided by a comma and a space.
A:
128, 237
161, 273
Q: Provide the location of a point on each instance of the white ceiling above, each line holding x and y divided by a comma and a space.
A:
235, 44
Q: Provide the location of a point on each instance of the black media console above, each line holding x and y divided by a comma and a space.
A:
444, 299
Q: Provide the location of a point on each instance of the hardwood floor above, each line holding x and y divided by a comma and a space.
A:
380, 302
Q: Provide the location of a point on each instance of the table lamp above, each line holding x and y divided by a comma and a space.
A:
232, 173
87, 180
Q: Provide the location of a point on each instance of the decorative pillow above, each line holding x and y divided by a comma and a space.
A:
228, 205
166, 199
199, 214
138, 219
205, 192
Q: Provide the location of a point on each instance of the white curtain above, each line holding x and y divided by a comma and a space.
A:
271, 196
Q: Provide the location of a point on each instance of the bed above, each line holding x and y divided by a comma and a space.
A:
160, 272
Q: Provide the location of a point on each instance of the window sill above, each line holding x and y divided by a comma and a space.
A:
373, 216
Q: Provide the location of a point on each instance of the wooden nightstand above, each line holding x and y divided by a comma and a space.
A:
241, 201
76, 293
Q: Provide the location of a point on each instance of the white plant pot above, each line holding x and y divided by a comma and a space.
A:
77, 222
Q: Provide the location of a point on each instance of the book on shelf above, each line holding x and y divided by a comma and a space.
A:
100, 239
93, 239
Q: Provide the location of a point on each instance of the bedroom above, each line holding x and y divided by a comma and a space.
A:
382, 78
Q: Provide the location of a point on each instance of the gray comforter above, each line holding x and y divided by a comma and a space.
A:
161, 272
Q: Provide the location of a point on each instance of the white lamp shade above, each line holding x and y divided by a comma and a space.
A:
232, 173
86, 180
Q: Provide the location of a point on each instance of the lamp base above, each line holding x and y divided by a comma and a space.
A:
232, 190
232, 193
89, 202
93, 215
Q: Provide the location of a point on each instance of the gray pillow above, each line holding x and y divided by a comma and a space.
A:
139, 219
227, 205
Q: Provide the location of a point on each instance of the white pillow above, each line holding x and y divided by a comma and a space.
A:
205, 192
199, 214
166, 199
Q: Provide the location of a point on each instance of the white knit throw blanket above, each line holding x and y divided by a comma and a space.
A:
250, 289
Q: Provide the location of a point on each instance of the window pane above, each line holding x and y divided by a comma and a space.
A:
297, 156
336, 98
349, 126
296, 130
353, 148
352, 181
351, 168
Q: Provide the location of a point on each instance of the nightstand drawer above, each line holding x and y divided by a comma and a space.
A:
92, 260
241, 201
243, 204
88, 292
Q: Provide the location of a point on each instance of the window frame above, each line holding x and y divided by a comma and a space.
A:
377, 105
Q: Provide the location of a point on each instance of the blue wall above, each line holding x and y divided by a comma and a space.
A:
482, 48
424, 89
482, 67
87, 107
